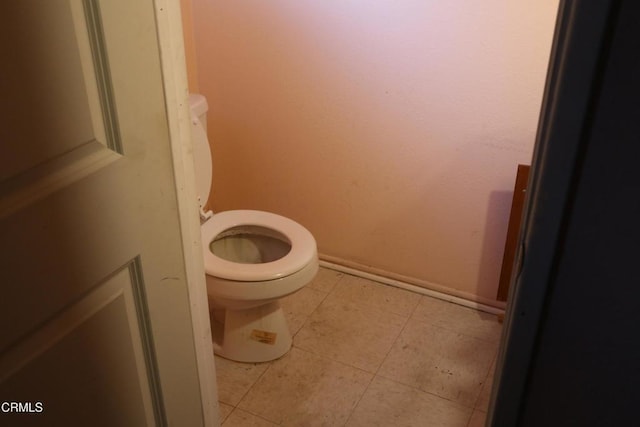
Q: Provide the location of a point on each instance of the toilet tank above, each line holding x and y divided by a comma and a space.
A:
199, 108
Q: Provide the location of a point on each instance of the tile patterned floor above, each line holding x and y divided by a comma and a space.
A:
367, 354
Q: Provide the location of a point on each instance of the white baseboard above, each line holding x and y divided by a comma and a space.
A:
413, 288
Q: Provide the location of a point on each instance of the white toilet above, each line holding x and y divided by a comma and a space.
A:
251, 258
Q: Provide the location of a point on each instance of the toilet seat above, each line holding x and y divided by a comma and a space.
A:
303, 246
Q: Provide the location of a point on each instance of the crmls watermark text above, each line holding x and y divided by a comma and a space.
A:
32, 407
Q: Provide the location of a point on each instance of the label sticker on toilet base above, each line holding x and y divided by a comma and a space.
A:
263, 336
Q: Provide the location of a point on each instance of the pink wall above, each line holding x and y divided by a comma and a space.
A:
189, 45
391, 129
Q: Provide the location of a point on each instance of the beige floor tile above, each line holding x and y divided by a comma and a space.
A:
298, 306
485, 394
356, 335
235, 378
388, 403
375, 295
304, 301
325, 280
440, 361
302, 389
225, 410
458, 318
295, 321
478, 419
240, 418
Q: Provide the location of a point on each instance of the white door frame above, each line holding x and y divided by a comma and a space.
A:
170, 36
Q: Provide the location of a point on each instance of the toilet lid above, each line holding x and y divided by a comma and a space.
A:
202, 161
303, 246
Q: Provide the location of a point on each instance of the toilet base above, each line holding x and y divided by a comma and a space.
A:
258, 334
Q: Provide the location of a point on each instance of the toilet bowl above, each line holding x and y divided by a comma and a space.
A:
252, 259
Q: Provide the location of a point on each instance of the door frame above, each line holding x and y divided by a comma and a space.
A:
577, 60
174, 72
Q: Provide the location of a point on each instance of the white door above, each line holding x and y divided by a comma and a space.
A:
95, 322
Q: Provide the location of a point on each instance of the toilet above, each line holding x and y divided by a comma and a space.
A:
251, 259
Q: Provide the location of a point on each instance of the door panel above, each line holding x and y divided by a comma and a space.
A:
95, 345
95, 314
42, 77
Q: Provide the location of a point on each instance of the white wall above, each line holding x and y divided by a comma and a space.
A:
391, 129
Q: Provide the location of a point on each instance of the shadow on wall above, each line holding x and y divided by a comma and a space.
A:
495, 233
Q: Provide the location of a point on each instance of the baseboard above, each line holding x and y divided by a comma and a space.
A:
414, 285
